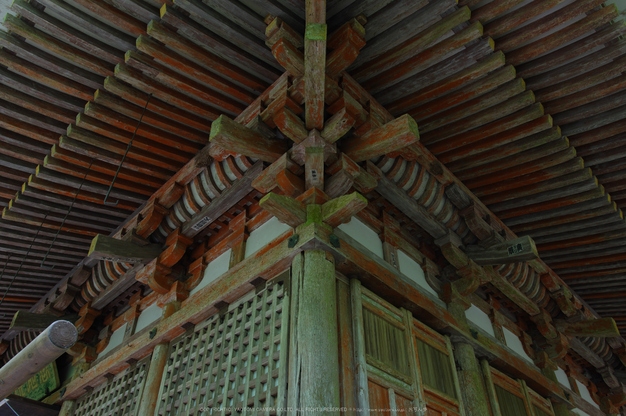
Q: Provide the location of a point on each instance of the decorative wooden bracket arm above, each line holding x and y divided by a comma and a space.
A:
601, 328
237, 138
544, 324
294, 213
87, 316
340, 210
345, 44
111, 249
282, 174
512, 251
287, 210
395, 135
155, 275
176, 245
346, 174
286, 45
472, 275
150, 218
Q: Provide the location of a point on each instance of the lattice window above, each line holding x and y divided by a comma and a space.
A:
119, 396
231, 361
511, 395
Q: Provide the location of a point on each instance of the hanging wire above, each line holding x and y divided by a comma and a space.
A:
130, 143
23, 259
65, 218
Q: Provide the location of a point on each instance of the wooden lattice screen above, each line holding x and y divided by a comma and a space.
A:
232, 361
119, 396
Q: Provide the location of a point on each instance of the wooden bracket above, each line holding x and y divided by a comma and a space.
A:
544, 324
87, 316
63, 297
150, 218
176, 245
177, 293
392, 136
563, 298
558, 347
340, 210
346, 174
287, 210
283, 174
234, 137
345, 43
512, 251
155, 275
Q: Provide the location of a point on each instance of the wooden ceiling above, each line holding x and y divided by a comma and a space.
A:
524, 101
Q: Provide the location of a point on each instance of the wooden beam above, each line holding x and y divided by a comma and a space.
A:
512, 251
602, 327
242, 140
119, 251
393, 136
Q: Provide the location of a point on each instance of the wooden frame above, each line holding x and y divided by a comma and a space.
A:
385, 386
435, 399
518, 388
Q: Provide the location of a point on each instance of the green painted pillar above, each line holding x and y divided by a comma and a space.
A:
314, 345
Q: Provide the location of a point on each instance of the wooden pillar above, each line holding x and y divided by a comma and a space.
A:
471, 380
150, 396
468, 369
68, 408
44, 349
315, 63
314, 346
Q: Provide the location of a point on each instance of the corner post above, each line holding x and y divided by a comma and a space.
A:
314, 353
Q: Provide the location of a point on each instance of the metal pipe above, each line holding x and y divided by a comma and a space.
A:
44, 349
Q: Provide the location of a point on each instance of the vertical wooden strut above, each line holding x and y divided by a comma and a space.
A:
314, 351
315, 63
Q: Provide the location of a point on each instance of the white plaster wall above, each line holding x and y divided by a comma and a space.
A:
475, 315
561, 376
411, 269
213, 270
364, 235
148, 316
514, 343
267, 232
116, 339
584, 393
